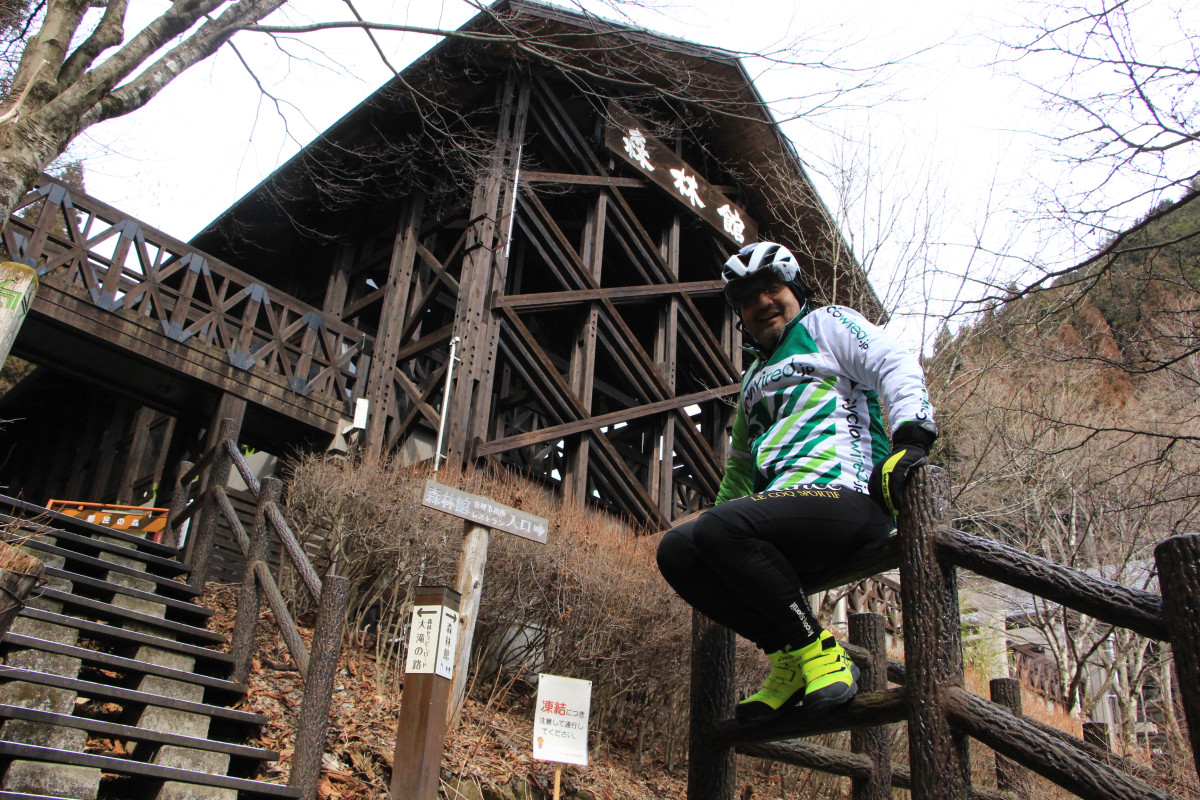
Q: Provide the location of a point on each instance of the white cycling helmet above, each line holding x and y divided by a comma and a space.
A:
756, 260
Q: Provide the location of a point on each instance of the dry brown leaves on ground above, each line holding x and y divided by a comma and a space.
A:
491, 745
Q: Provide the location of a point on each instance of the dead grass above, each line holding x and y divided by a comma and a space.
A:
592, 605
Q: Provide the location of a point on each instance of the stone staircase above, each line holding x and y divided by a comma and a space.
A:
114, 647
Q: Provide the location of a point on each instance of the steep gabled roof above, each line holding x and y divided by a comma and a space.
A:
278, 218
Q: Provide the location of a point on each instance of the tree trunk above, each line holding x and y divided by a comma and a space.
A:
19, 573
27, 145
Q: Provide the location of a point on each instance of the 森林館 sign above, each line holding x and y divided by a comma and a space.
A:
627, 138
484, 511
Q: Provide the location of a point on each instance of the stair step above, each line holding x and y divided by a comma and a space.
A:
89, 542
121, 663
247, 788
85, 589
66, 522
131, 733
182, 606
109, 611
173, 587
103, 691
22, 796
113, 634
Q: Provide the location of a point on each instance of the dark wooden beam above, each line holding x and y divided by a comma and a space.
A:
390, 337
358, 305
582, 368
540, 301
568, 179
601, 421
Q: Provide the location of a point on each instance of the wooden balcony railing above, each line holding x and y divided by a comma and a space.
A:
99, 254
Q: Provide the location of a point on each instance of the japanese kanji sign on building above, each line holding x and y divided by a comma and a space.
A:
629, 139
560, 722
432, 639
483, 511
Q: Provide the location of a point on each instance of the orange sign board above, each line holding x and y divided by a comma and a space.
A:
134, 519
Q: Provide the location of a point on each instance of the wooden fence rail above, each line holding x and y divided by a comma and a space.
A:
941, 715
331, 595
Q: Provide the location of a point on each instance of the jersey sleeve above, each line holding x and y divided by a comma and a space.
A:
871, 356
738, 480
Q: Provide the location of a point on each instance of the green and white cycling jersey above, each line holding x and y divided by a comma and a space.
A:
810, 410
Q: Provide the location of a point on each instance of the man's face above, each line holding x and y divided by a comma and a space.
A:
766, 306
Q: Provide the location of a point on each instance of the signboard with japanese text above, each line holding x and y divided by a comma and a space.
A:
560, 722
432, 639
627, 138
481, 510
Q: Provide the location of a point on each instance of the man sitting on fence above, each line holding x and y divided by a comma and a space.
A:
810, 479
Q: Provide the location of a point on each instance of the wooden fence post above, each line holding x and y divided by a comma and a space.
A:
241, 644
1010, 776
711, 771
313, 724
200, 547
1178, 560
938, 754
869, 631
179, 498
20, 573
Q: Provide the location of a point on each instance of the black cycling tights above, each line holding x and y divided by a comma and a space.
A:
744, 563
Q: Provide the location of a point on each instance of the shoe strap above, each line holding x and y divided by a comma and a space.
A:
824, 664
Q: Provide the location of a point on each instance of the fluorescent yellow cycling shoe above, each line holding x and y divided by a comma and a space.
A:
830, 678
783, 689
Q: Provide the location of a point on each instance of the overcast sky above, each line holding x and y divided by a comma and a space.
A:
944, 151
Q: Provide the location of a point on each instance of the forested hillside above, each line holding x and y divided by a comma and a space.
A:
1071, 421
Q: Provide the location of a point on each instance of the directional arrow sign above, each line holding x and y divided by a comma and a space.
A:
484, 511
432, 640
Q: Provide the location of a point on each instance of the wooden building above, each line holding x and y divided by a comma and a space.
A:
546, 195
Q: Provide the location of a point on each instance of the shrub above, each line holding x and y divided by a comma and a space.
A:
588, 604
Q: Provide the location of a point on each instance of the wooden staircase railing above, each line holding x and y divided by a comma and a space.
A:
114, 649
330, 595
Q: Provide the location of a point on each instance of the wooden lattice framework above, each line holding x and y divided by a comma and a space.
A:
596, 352
481, 199
107, 275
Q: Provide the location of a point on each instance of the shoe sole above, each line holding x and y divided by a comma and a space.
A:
743, 715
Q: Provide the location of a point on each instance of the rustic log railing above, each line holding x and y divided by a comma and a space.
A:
941, 715
94, 251
330, 595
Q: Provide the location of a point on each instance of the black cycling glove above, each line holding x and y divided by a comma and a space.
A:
910, 449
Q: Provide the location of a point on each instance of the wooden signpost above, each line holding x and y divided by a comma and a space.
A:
439, 645
481, 514
421, 732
